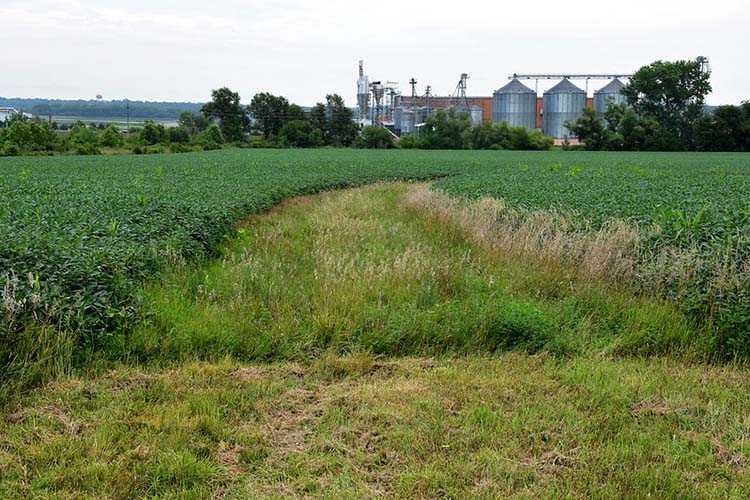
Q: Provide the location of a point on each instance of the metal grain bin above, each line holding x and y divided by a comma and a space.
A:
407, 121
561, 103
458, 109
516, 104
477, 114
611, 90
420, 115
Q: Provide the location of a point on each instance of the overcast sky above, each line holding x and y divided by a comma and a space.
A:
180, 49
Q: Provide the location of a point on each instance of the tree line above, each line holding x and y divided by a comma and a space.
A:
91, 109
21, 135
281, 123
331, 123
664, 110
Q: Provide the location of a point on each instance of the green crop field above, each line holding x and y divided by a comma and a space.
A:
80, 234
136, 290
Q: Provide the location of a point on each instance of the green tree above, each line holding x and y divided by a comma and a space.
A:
111, 137
673, 94
488, 135
152, 133
409, 142
225, 106
80, 134
613, 113
447, 130
18, 132
193, 122
726, 129
300, 134
295, 113
341, 129
708, 136
178, 135
212, 135
589, 129
375, 137
30, 135
640, 134
269, 112
335, 121
319, 118
538, 141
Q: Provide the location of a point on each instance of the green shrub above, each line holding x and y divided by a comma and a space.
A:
409, 142
373, 137
212, 135
300, 134
111, 138
178, 135
10, 149
211, 146
152, 133
87, 149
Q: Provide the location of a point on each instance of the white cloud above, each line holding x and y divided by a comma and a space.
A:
180, 49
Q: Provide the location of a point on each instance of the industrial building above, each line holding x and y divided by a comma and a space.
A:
6, 113
513, 102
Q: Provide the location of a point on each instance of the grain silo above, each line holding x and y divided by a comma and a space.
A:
477, 114
610, 91
407, 121
516, 104
562, 103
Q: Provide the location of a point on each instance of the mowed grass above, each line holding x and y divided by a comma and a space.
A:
351, 345
356, 427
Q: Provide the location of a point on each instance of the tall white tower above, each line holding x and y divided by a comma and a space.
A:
363, 93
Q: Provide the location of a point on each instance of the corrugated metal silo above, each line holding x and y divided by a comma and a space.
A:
397, 112
407, 121
458, 109
611, 90
562, 103
516, 104
420, 115
477, 114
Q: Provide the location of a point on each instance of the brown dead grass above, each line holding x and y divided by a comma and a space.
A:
659, 407
551, 237
70, 425
614, 254
247, 373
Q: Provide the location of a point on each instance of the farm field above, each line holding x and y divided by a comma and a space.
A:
163, 268
80, 234
118, 121
413, 360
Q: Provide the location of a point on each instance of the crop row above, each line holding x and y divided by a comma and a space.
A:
79, 235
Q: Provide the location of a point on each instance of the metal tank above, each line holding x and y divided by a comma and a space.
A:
397, 116
477, 114
561, 103
421, 114
474, 112
407, 121
456, 108
516, 104
610, 91
363, 92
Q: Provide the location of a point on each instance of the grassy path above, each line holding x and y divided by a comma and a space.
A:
346, 344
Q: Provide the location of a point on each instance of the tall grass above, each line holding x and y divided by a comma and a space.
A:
365, 270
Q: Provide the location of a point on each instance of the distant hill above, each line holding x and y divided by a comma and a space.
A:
101, 109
